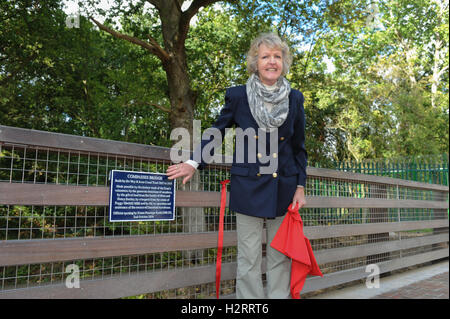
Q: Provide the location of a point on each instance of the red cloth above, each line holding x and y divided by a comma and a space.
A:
291, 241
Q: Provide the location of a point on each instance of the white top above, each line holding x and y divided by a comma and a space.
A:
269, 106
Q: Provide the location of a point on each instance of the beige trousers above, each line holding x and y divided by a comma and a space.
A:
249, 259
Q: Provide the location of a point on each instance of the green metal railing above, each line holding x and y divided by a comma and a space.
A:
431, 169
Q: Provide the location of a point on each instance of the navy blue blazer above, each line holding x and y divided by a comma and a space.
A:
253, 193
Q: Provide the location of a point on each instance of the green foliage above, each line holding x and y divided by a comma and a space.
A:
379, 101
76, 80
387, 95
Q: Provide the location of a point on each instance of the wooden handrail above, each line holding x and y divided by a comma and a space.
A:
57, 141
63, 195
19, 252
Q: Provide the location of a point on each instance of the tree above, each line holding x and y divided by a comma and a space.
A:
387, 96
383, 99
76, 80
174, 29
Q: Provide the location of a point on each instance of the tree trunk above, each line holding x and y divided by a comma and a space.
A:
181, 97
182, 101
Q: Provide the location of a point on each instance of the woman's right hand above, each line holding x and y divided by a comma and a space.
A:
180, 170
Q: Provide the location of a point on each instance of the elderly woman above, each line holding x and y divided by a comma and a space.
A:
266, 104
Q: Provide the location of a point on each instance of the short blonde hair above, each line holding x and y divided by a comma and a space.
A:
271, 40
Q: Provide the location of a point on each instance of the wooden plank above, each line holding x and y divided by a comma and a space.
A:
338, 254
68, 195
125, 285
198, 199
20, 252
82, 144
317, 232
349, 202
135, 284
52, 195
358, 177
15, 135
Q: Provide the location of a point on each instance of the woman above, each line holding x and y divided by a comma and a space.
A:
266, 103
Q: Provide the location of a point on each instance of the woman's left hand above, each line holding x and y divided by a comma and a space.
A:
299, 197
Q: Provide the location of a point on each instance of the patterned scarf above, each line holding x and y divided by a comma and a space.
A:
257, 94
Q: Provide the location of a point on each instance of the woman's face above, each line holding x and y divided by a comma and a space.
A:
270, 64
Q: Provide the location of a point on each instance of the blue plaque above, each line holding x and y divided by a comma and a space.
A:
140, 196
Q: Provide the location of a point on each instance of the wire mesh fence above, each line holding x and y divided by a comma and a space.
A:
432, 169
24, 164
32, 164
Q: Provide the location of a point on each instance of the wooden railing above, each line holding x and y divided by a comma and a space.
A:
54, 194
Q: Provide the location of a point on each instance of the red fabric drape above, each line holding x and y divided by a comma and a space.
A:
291, 241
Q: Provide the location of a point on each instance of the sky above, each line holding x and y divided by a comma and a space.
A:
72, 8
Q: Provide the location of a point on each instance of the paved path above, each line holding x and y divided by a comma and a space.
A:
435, 287
428, 282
